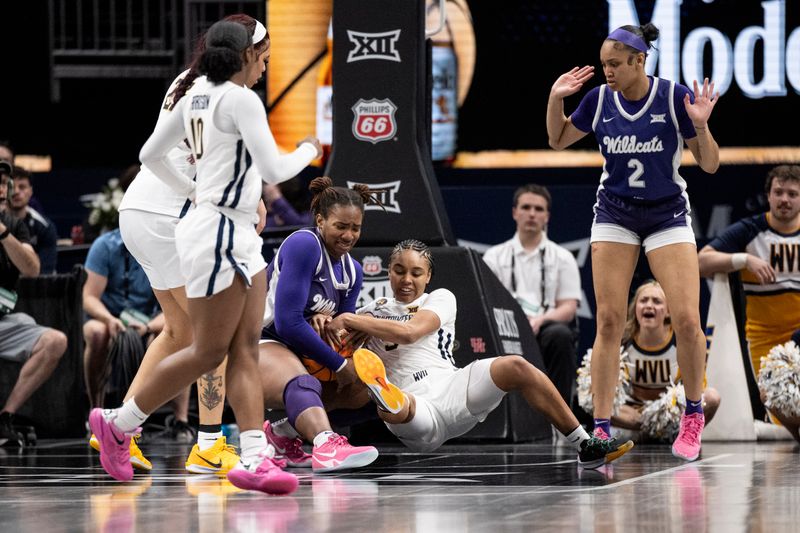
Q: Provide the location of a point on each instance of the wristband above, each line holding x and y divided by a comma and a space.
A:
739, 261
5, 234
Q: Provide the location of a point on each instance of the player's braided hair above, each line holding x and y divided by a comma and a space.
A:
326, 196
413, 244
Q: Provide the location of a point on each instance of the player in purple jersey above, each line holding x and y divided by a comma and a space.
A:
313, 278
641, 128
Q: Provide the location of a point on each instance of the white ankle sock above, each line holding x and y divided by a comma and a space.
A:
252, 443
322, 438
577, 436
207, 440
129, 416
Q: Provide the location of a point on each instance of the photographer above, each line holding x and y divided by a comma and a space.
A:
37, 348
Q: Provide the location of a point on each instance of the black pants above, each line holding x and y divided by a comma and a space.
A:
557, 344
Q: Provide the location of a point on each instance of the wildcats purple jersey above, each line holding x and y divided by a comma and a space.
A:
304, 280
641, 142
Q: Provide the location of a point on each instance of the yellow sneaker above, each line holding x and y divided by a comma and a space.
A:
138, 460
218, 459
205, 485
372, 372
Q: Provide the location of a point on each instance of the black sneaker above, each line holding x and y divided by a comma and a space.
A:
180, 431
9, 437
597, 452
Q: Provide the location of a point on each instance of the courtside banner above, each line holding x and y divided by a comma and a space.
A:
382, 118
489, 323
725, 369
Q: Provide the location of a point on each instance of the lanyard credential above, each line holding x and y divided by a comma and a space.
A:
544, 304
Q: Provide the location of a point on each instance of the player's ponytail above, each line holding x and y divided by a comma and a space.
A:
225, 42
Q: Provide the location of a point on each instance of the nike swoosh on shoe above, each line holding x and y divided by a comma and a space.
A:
326, 454
120, 442
215, 465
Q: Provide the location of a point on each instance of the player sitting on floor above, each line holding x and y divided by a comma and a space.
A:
436, 400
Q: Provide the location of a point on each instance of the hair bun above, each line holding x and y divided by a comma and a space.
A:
319, 184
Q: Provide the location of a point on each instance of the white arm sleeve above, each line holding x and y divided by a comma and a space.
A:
154, 154
251, 120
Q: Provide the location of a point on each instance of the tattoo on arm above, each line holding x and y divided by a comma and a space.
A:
210, 394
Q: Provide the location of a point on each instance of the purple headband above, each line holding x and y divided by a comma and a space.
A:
629, 38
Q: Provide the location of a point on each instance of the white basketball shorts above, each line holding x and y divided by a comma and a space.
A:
213, 248
442, 413
150, 238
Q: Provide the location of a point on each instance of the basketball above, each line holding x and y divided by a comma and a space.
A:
323, 373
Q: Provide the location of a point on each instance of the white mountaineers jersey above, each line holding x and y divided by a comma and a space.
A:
430, 355
150, 194
226, 178
653, 368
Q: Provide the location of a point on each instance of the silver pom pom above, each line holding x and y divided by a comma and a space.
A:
779, 379
661, 418
585, 383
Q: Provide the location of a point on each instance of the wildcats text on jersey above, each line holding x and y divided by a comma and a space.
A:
628, 144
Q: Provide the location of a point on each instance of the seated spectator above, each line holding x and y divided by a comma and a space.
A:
7, 153
44, 235
544, 279
116, 283
37, 348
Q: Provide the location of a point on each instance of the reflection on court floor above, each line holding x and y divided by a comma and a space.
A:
60, 486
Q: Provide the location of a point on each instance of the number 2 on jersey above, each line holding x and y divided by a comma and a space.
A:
197, 137
634, 180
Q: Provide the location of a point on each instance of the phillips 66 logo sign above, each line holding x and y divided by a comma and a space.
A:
373, 120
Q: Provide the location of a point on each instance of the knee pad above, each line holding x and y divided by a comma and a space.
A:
300, 393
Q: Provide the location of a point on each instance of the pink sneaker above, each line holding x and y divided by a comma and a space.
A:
337, 454
267, 476
687, 445
115, 446
287, 448
600, 433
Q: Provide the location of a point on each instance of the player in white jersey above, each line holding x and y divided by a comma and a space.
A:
641, 128
149, 213
652, 356
412, 337
220, 254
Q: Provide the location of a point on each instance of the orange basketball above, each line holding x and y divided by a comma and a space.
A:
323, 373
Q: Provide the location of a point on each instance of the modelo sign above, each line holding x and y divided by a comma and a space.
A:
732, 56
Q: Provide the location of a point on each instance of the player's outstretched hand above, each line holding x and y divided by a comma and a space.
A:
704, 101
571, 82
